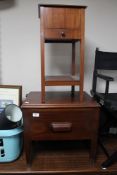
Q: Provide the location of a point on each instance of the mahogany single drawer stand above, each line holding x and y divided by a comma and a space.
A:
62, 24
62, 117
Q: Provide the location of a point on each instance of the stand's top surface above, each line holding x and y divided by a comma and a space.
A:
62, 5
58, 100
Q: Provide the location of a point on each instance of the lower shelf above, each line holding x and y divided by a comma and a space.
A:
61, 160
62, 80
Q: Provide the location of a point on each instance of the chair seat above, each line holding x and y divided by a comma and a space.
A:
109, 102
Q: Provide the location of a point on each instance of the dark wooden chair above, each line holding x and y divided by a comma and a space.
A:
108, 101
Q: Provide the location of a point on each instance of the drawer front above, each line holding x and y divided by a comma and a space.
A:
63, 125
62, 34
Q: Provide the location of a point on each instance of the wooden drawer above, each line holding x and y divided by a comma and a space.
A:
62, 125
63, 34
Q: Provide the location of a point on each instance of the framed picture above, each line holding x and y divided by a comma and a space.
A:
10, 94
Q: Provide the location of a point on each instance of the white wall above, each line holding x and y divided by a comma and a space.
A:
20, 41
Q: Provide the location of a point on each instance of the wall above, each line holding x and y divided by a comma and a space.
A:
20, 41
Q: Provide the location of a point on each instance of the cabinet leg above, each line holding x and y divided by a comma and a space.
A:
28, 147
93, 150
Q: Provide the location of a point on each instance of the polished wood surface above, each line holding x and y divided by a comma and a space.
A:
73, 66
63, 158
82, 54
62, 18
62, 24
61, 34
59, 6
62, 99
62, 117
62, 80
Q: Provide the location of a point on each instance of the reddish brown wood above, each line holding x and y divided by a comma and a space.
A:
62, 18
54, 18
64, 113
73, 68
42, 57
61, 126
59, 6
62, 24
61, 80
62, 34
72, 18
82, 54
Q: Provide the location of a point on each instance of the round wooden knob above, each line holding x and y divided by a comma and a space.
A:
62, 34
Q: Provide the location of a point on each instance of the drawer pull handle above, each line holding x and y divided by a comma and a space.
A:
62, 34
61, 126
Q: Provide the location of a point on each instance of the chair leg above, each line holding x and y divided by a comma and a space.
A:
112, 159
104, 149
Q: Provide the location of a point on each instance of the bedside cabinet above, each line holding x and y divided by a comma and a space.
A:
62, 118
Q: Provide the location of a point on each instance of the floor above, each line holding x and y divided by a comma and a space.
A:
62, 158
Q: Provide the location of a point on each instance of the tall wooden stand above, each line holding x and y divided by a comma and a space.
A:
62, 24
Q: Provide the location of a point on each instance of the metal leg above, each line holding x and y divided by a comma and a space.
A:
111, 160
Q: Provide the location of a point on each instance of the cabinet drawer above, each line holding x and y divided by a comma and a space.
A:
64, 125
62, 34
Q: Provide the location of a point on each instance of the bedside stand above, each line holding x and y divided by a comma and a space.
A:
62, 117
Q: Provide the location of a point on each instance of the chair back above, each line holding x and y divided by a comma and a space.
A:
105, 60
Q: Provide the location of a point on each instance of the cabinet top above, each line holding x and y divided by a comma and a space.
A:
62, 5
58, 100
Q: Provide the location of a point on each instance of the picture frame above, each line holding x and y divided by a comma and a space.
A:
10, 94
